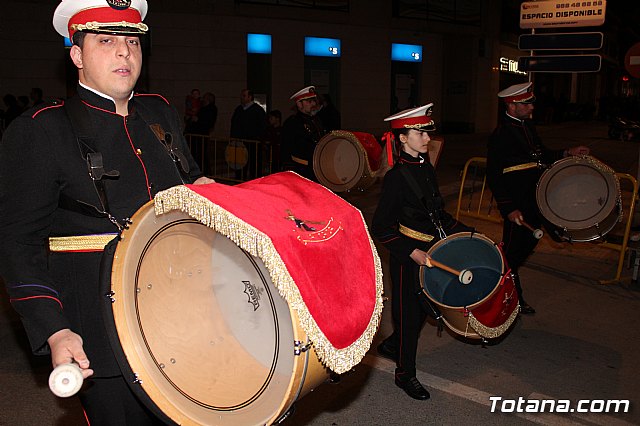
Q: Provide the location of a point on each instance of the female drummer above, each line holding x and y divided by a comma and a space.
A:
410, 217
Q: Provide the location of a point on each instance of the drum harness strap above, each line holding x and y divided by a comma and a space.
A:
84, 129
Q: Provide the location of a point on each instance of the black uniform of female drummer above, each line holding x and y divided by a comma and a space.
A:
410, 217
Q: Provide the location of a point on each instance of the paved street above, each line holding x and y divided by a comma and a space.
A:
582, 344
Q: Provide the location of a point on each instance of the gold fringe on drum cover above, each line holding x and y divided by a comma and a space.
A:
492, 332
260, 245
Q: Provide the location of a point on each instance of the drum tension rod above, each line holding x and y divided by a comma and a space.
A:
300, 347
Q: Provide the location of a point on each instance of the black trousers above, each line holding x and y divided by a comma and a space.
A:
519, 243
110, 402
408, 314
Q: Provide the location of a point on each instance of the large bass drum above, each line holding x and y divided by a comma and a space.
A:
581, 196
345, 160
200, 328
487, 306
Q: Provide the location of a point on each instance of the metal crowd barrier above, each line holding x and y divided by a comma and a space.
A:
230, 159
476, 200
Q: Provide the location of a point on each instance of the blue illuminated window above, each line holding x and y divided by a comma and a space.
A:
317, 46
259, 43
406, 52
67, 42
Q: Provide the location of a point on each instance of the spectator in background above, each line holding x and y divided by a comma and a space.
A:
191, 108
248, 122
13, 109
271, 139
207, 115
23, 103
328, 113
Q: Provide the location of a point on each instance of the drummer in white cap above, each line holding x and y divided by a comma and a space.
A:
72, 173
516, 158
409, 219
301, 132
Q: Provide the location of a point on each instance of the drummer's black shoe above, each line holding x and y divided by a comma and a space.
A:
413, 388
526, 309
387, 350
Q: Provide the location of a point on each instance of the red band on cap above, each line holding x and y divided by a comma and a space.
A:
104, 14
305, 96
519, 98
401, 123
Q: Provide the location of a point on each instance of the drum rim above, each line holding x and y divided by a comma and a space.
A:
363, 171
607, 216
465, 235
132, 362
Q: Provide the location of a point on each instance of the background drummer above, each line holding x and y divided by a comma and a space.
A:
301, 132
58, 214
516, 158
408, 223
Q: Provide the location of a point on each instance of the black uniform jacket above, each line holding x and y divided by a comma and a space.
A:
300, 135
41, 164
399, 204
516, 143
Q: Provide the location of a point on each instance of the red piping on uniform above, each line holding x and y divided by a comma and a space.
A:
133, 148
45, 108
153, 94
86, 417
37, 297
399, 360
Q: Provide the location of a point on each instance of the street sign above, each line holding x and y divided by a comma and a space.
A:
562, 13
559, 63
632, 60
560, 41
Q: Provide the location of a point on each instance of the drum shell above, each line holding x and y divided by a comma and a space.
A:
345, 160
581, 196
162, 305
491, 285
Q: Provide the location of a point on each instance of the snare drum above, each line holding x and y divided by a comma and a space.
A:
200, 327
345, 160
487, 306
581, 196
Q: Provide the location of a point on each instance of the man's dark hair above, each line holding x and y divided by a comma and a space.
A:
78, 38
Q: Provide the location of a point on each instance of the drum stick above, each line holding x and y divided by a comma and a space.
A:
65, 380
465, 276
537, 233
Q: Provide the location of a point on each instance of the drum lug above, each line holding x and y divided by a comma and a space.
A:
111, 297
300, 347
136, 380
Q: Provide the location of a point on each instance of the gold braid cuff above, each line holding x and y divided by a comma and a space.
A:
94, 242
260, 245
416, 235
493, 332
524, 166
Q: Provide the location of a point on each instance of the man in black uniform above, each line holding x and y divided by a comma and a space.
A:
409, 219
516, 159
301, 133
71, 173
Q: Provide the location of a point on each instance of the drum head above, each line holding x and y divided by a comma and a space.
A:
473, 252
201, 324
577, 193
339, 161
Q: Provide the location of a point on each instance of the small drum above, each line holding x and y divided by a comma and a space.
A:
487, 306
581, 196
201, 328
347, 160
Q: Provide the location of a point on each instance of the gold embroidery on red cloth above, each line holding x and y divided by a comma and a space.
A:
310, 234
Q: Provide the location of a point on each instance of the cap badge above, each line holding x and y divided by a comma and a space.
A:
119, 4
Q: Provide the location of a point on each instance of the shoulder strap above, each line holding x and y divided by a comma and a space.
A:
85, 133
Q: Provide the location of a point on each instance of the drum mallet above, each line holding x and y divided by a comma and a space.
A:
65, 380
537, 233
465, 276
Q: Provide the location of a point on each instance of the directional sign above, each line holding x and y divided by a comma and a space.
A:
560, 41
632, 60
562, 13
557, 63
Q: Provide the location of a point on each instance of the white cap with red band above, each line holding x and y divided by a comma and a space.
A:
413, 118
100, 16
518, 93
306, 93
